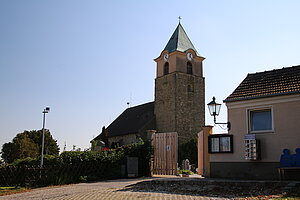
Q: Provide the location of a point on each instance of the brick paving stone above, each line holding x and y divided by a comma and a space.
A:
108, 190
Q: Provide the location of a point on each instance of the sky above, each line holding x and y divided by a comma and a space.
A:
87, 59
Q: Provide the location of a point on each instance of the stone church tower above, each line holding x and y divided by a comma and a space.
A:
179, 88
179, 98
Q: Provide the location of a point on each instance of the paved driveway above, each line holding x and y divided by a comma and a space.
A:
113, 189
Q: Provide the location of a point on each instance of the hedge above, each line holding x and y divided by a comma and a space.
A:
74, 167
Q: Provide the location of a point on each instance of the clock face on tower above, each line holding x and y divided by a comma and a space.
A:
166, 56
189, 56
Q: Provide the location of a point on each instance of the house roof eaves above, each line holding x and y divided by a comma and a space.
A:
262, 96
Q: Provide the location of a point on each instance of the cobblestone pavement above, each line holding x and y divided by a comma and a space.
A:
113, 189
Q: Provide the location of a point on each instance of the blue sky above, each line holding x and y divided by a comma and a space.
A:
86, 59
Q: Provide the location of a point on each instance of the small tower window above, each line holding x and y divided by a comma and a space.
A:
166, 68
189, 68
190, 88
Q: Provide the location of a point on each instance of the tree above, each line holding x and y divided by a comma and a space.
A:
189, 150
29, 144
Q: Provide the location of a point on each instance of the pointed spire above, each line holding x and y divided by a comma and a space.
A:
179, 41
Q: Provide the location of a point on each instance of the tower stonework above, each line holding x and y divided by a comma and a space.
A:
179, 88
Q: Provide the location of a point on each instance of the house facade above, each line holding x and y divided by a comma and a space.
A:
264, 112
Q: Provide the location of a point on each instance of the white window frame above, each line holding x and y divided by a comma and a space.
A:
260, 109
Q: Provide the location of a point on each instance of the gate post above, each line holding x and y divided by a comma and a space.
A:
203, 156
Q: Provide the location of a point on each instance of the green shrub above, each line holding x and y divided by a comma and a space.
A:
75, 166
188, 150
184, 171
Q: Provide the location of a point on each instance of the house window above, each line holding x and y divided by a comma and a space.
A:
166, 68
260, 120
189, 68
220, 143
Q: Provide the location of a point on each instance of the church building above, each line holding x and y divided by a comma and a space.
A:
179, 104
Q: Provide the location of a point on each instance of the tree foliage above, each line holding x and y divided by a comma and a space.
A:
189, 150
75, 166
29, 144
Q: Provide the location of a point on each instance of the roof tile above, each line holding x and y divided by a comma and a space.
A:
132, 120
269, 83
179, 41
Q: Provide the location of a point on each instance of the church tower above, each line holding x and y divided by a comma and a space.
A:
179, 88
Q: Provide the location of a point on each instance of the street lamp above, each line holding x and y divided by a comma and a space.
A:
46, 110
214, 110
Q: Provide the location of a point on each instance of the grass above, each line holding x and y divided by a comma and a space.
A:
11, 190
183, 171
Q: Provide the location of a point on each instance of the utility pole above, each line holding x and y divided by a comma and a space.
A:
46, 110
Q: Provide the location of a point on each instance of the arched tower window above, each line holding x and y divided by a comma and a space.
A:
166, 68
190, 88
189, 68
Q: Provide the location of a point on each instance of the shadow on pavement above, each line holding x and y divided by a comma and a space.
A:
213, 188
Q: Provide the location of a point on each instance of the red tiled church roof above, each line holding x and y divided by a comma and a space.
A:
277, 82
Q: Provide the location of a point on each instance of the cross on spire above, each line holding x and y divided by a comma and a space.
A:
179, 18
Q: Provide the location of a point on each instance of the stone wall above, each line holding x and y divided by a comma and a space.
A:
245, 170
190, 110
179, 104
123, 139
144, 133
164, 109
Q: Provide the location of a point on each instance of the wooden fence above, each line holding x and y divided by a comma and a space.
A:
165, 156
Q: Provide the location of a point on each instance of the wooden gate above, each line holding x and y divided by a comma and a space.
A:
165, 153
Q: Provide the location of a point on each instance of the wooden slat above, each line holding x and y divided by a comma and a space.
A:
165, 153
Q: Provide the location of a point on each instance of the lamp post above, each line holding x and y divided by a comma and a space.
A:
214, 110
46, 110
